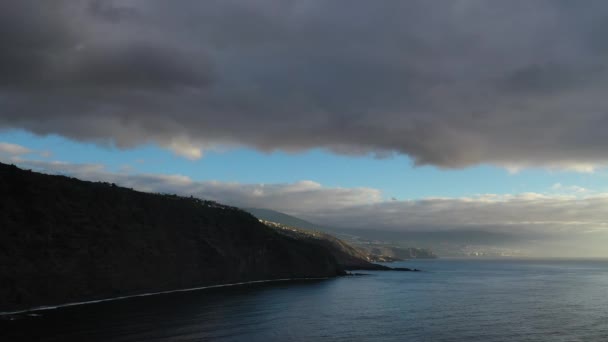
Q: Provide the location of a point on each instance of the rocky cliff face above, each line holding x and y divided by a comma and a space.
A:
65, 240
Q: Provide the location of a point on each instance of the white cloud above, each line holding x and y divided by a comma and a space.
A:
14, 153
572, 166
183, 147
575, 190
534, 214
518, 214
13, 149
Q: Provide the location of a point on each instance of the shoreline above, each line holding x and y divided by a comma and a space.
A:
59, 306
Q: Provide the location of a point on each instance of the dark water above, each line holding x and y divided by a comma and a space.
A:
453, 300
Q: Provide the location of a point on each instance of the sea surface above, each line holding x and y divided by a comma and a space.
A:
451, 300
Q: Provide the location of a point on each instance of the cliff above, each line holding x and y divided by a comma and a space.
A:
65, 240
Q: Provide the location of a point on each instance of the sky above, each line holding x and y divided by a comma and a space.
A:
393, 115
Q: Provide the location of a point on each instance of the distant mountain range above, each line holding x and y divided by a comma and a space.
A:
391, 245
376, 249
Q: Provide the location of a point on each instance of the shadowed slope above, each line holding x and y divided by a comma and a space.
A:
63, 240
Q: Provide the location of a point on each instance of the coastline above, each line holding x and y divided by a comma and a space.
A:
377, 267
59, 306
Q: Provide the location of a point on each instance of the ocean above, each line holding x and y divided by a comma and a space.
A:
451, 300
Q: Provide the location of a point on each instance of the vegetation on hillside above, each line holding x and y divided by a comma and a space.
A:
64, 240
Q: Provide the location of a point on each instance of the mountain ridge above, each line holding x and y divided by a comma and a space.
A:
67, 240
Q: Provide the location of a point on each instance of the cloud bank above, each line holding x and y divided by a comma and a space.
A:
452, 84
565, 212
9, 149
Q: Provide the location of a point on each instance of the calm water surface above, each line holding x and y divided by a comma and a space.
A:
452, 300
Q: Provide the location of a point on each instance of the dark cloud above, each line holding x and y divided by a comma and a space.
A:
137, 66
451, 84
111, 11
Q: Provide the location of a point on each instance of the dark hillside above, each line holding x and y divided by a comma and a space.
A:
64, 240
